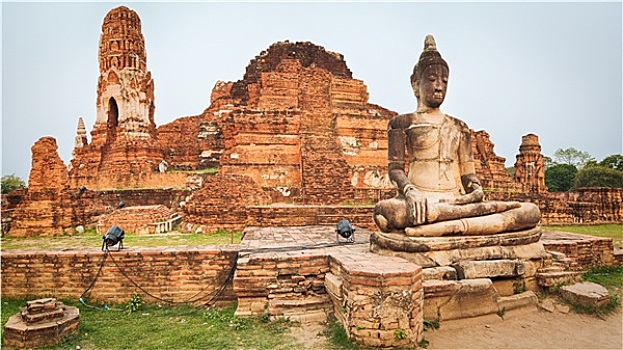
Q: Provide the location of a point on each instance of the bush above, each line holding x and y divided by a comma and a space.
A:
12, 182
599, 176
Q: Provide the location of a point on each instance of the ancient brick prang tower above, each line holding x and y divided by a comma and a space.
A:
301, 127
124, 135
529, 168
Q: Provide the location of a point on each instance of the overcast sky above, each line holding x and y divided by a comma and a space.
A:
553, 69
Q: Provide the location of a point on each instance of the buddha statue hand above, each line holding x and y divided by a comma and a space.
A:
416, 205
474, 191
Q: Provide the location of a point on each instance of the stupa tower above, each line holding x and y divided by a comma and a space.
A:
125, 89
124, 137
529, 167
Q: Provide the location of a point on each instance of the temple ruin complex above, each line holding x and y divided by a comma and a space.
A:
294, 143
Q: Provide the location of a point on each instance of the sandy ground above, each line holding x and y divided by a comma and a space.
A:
528, 328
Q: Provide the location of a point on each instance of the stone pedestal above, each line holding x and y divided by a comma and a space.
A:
468, 276
42, 322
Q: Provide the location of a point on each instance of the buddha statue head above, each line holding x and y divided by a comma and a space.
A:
430, 76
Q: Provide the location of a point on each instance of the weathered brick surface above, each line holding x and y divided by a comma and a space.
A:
529, 167
587, 251
123, 139
141, 219
490, 167
297, 124
174, 274
191, 143
598, 204
222, 203
48, 172
52, 213
375, 297
289, 215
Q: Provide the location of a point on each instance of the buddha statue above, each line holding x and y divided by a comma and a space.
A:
440, 194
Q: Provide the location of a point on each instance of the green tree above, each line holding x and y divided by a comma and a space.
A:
614, 161
511, 171
572, 156
12, 182
559, 177
598, 176
548, 162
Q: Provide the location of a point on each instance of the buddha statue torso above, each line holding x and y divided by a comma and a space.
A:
435, 149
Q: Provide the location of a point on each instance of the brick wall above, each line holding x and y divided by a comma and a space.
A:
176, 274
587, 251
267, 216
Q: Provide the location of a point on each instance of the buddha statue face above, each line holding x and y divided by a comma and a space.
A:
430, 87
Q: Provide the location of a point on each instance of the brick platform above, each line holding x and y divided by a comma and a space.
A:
304, 273
587, 251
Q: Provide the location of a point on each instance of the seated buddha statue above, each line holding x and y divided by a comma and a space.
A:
440, 194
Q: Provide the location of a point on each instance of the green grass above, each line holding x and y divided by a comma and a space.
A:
337, 337
91, 239
614, 231
610, 278
184, 327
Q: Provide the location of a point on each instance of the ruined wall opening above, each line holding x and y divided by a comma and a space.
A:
113, 113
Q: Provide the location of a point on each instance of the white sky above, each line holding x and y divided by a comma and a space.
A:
553, 69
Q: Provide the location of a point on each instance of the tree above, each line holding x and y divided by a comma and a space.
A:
614, 161
12, 182
572, 156
599, 176
547, 162
511, 171
559, 177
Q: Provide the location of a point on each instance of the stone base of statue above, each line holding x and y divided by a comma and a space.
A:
467, 276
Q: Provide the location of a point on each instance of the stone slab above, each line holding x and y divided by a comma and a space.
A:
489, 268
587, 294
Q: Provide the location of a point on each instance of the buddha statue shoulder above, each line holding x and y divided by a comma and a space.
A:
431, 162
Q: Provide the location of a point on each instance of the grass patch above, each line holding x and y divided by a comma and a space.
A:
614, 231
90, 239
337, 337
609, 277
184, 327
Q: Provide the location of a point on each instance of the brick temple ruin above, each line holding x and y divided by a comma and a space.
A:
295, 142
297, 129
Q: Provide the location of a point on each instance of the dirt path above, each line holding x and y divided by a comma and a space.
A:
530, 329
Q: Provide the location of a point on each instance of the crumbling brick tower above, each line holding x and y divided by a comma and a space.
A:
529, 168
124, 138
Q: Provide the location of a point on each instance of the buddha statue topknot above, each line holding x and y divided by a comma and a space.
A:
440, 194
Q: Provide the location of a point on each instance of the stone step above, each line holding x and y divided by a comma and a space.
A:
439, 273
525, 299
552, 279
310, 309
553, 268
